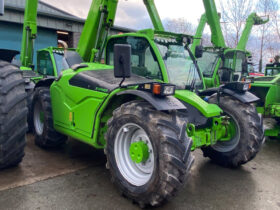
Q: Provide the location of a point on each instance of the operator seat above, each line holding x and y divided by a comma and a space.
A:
71, 58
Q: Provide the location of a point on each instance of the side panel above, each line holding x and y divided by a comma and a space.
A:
74, 109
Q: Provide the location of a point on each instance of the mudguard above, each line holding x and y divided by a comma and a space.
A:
244, 97
8, 55
159, 103
47, 82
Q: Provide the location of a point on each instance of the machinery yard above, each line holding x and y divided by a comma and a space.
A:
146, 118
66, 179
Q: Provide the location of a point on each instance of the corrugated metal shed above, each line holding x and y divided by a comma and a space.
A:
48, 16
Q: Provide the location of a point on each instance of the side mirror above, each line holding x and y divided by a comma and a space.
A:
1, 7
244, 67
122, 64
198, 51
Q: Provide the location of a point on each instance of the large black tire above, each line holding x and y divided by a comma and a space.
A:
171, 149
247, 144
13, 115
45, 134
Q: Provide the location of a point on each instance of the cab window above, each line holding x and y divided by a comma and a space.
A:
44, 63
143, 60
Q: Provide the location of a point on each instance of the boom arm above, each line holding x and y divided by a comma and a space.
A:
199, 33
29, 32
252, 20
152, 10
213, 19
100, 19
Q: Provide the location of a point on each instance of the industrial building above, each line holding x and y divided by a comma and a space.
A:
53, 25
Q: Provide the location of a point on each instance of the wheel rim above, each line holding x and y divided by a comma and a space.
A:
137, 174
227, 146
38, 118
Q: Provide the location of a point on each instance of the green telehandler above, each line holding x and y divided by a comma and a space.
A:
13, 109
219, 63
142, 128
267, 88
226, 135
231, 64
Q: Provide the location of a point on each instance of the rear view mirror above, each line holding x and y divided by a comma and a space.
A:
1, 7
122, 57
198, 51
244, 67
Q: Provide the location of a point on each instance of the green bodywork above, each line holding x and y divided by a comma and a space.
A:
80, 112
267, 88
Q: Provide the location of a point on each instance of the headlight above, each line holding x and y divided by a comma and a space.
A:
243, 86
158, 89
168, 90
239, 86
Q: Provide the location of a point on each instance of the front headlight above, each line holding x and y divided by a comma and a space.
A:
168, 90
246, 86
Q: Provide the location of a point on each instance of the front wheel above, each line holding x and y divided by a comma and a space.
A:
246, 128
148, 153
45, 134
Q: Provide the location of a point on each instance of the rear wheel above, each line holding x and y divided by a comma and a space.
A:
45, 135
13, 115
148, 153
246, 127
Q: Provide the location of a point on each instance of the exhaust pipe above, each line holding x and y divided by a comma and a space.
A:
1, 7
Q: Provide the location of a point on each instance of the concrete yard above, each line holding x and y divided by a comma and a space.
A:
75, 177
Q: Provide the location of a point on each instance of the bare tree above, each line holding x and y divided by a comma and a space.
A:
234, 15
275, 19
266, 8
180, 25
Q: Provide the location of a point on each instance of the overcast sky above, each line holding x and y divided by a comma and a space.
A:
132, 13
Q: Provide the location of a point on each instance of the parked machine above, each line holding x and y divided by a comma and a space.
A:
267, 88
273, 68
13, 109
144, 131
221, 64
221, 132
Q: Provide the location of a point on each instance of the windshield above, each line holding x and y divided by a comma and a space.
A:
59, 62
207, 63
180, 67
272, 71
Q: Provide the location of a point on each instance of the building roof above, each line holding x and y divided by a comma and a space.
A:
48, 17
44, 9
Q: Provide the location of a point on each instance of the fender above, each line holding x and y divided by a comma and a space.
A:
159, 103
47, 82
8, 55
244, 97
